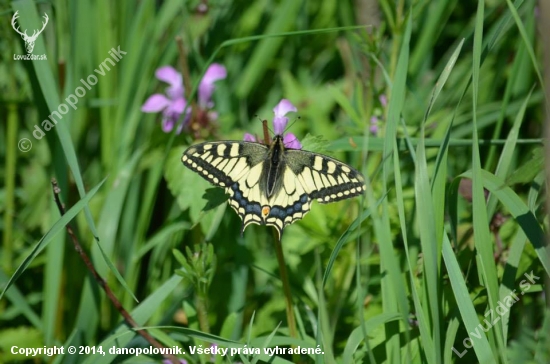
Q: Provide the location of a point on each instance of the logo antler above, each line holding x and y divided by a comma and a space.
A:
29, 40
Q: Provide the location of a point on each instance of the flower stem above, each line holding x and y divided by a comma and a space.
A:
187, 87
184, 68
202, 313
286, 286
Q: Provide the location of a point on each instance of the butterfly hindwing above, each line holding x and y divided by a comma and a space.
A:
272, 185
324, 178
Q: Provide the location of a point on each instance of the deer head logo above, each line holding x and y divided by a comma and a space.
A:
29, 40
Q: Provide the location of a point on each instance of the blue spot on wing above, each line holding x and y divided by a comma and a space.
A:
253, 207
281, 212
250, 207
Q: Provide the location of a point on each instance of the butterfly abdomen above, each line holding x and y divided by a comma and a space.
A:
274, 169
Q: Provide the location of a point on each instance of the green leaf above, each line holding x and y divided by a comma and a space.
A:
186, 185
527, 172
214, 197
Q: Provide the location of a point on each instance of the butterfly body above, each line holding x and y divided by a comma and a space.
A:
272, 185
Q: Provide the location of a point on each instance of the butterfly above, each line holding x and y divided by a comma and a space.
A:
272, 184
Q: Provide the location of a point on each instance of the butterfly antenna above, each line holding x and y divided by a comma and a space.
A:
288, 127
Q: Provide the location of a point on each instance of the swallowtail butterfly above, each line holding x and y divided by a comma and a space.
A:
272, 185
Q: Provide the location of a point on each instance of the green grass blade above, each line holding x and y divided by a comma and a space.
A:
465, 305
122, 335
524, 217
482, 236
54, 230
29, 17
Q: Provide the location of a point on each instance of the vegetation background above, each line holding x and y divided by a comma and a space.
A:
439, 104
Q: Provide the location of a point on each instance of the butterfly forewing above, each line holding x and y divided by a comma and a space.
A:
223, 163
272, 185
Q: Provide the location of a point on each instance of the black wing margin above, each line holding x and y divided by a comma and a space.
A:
223, 163
324, 178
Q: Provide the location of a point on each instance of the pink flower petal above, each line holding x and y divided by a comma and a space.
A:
215, 72
205, 94
155, 103
175, 92
169, 75
291, 141
280, 121
172, 116
167, 123
283, 107
167, 361
178, 105
206, 87
279, 124
374, 125
249, 137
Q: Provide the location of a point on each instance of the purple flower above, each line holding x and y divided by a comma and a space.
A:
168, 361
249, 137
377, 118
279, 124
206, 88
374, 125
173, 103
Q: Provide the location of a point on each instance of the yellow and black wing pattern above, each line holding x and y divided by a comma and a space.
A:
272, 185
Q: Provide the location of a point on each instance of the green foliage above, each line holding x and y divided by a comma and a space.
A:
439, 104
198, 267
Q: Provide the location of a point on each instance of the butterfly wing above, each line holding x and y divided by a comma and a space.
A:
293, 178
225, 162
310, 176
237, 166
324, 178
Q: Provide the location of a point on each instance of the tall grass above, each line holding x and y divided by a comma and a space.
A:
451, 228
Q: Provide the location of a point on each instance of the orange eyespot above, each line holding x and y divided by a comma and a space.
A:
265, 211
